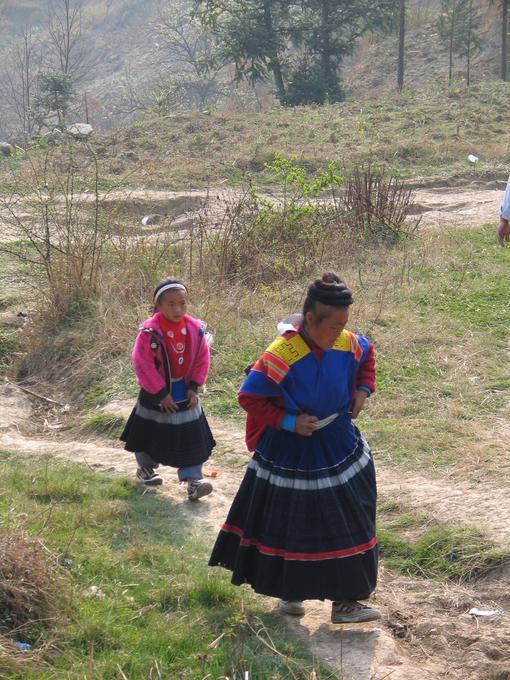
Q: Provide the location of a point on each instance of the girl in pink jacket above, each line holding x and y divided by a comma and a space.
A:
167, 425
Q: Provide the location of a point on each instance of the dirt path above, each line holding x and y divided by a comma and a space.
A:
470, 205
426, 632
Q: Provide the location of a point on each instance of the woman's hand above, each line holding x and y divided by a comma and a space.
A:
358, 403
192, 399
305, 425
168, 405
503, 231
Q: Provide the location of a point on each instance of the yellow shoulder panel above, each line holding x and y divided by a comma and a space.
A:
290, 350
344, 342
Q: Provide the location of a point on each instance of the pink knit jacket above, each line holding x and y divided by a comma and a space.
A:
152, 379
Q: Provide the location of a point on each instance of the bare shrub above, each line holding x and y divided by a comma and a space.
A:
251, 238
57, 232
377, 206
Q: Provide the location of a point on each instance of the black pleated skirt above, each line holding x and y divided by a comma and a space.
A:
177, 439
302, 534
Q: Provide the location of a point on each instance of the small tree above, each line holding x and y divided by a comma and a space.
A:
54, 97
457, 27
188, 45
23, 65
66, 47
448, 30
469, 42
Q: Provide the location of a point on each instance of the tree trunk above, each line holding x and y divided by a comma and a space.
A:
276, 69
452, 39
504, 27
325, 56
274, 62
468, 66
469, 41
401, 45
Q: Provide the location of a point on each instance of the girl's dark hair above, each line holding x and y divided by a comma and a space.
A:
167, 282
330, 290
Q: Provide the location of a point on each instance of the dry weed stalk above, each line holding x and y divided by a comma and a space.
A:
378, 206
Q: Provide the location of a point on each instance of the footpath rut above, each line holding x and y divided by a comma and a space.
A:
426, 631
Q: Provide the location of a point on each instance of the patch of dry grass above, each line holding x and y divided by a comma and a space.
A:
30, 582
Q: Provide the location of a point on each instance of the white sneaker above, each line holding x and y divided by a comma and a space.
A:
350, 611
292, 607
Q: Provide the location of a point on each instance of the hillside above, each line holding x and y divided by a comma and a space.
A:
115, 36
119, 37
414, 135
372, 68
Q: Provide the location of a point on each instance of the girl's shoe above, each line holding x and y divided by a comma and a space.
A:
292, 607
147, 476
350, 611
197, 488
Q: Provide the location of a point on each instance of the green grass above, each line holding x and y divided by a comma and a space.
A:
442, 355
435, 550
140, 595
106, 424
10, 344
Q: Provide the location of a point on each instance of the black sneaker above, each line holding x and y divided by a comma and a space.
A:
197, 488
148, 476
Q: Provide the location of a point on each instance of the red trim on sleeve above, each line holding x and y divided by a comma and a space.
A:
365, 375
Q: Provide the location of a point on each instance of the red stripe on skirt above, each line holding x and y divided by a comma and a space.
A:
279, 552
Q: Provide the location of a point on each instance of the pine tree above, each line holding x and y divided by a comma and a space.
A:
458, 27
447, 29
468, 41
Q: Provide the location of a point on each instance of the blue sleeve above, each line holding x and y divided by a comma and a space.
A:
289, 423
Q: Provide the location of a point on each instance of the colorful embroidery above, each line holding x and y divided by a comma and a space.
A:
348, 342
289, 350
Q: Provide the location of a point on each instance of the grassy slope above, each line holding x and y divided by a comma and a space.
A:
441, 339
415, 134
443, 362
141, 601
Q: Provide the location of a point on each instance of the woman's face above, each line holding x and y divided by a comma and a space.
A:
326, 331
172, 304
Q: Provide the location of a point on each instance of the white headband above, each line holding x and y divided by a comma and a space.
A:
169, 286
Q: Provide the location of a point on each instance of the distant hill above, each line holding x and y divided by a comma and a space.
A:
118, 35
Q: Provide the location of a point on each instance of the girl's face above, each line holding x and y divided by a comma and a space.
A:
172, 304
326, 331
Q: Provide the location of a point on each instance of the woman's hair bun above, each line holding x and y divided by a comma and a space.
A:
330, 290
329, 277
